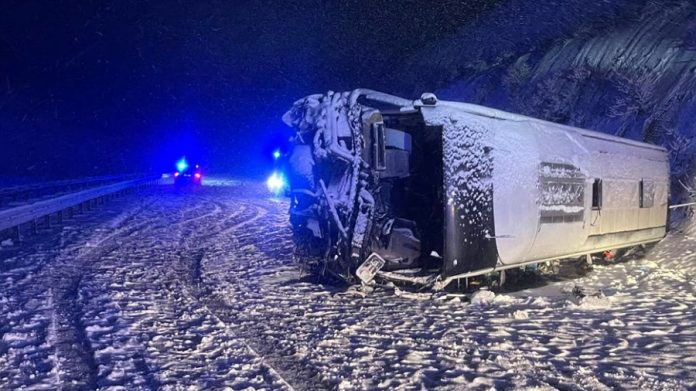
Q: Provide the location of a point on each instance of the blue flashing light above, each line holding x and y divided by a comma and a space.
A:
276, 154
182, 165
276, 183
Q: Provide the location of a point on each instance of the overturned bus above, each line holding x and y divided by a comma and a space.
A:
380, 184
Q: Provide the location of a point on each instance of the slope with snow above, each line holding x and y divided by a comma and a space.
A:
623, 67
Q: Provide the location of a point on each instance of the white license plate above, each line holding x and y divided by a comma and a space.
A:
367, 271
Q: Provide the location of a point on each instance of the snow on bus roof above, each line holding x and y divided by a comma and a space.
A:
504, 115
406, 105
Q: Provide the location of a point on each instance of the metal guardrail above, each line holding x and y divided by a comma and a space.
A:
682, 205
30, 213
28, 192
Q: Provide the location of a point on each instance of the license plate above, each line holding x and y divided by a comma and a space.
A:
367, 271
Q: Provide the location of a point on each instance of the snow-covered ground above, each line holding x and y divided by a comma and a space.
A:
196, 288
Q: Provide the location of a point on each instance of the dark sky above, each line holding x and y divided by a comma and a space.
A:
99, 87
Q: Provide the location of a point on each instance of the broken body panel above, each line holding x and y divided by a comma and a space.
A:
409, 180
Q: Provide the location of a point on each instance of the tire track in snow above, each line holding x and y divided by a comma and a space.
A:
190, 254
54, 325
158, 303
259, 213
232, 241
195, 291
141, 372
73, 352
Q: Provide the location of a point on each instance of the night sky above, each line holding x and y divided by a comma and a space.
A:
103, 87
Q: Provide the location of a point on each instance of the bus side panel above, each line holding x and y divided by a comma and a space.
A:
469, 242
515, 189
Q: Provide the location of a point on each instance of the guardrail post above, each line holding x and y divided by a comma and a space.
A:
39, 212
18, 233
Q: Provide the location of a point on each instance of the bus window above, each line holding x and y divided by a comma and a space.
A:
597, 194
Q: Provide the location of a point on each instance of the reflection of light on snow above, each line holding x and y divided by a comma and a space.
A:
276, 183
221, 182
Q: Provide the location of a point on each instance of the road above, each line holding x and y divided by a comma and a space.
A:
172, 288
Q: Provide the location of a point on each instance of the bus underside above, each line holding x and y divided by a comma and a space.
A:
366, 182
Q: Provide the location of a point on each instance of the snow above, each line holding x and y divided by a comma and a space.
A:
622, 67
592, 303
467, 166
193, 290
520, 314
483, 298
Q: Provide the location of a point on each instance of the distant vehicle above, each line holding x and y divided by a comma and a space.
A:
387, 183
185, 175
194, 177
